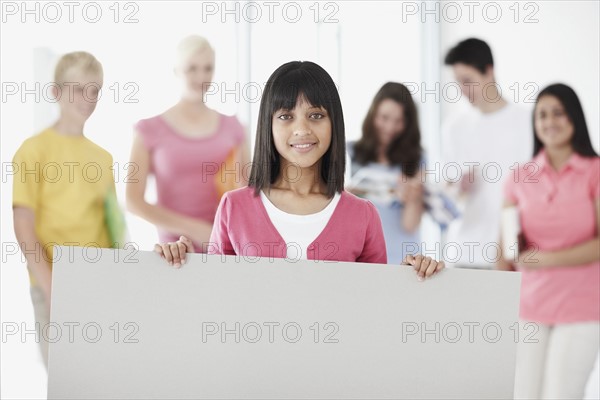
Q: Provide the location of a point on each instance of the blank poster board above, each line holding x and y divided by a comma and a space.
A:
234, 327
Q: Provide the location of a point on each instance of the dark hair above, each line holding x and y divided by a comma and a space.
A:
314, 84
405, 149
473, 52
580, 141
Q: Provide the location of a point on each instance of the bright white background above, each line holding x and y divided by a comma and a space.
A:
371, 43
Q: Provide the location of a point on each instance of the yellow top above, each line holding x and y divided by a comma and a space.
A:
65, 180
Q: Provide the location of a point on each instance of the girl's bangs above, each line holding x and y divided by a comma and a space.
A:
288, 88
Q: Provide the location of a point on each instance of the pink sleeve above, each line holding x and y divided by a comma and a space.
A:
219, 242
595, 181
145, 128
374, 249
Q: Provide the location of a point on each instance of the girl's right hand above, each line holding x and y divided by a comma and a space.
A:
409, 190
174, 253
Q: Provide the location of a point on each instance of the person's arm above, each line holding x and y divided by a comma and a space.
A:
502, 264
452, 149
244, 160
24, 225
412, 196
580, 254
197, 230
26, 197
374, 250
219, 243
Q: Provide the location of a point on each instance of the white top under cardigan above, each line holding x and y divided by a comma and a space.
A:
299, 231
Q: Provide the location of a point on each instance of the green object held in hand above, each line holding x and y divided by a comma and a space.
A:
115, 220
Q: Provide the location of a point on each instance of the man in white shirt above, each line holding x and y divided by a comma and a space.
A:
485, 141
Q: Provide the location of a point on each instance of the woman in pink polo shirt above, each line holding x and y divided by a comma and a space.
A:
295, 206
190, 149
558, 198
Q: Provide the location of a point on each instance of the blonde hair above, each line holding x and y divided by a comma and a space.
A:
190, 46
80, 61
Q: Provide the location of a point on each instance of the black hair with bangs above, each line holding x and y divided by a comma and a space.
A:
311, 82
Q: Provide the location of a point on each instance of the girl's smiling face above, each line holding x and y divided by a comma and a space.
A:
301, 135
389, 121
552, 125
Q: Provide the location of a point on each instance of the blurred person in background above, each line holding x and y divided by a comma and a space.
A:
485, 140
385, 168
194, 152
557, 196
64, 190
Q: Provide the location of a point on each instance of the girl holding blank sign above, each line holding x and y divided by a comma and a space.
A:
295, 205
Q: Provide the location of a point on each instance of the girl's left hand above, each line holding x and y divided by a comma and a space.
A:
425, 266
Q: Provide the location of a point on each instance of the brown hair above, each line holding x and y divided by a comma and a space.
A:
405, 150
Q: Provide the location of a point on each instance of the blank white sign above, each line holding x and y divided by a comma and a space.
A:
126, 325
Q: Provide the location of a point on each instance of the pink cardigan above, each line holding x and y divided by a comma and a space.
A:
242, 227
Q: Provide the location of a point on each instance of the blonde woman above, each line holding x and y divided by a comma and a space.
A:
186, 148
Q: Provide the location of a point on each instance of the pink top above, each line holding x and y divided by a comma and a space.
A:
186, 168
353, 233
558, 210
